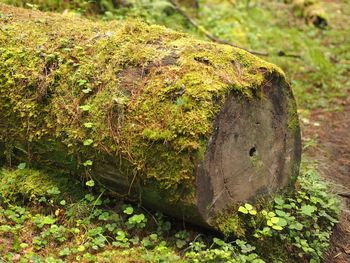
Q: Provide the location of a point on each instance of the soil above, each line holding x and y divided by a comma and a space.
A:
332, 131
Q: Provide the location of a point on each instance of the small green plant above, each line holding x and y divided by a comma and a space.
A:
85, 107
121, 239
90, 183
21, 166
182, 239
137, 221
247, 209
87, 163
129, 210
88, 142
88, 125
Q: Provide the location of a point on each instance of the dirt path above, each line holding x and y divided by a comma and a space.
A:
332, 131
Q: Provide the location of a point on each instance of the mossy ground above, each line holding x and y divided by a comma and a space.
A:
42, 221
26, 185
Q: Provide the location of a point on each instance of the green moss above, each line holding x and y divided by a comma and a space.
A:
230, 225
293, 118
27, 184
157, 135
149, 93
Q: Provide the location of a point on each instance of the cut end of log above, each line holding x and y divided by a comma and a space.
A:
254, 150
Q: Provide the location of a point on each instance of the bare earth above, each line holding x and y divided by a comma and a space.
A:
332, 131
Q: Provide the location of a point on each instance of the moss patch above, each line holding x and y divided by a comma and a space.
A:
27, 184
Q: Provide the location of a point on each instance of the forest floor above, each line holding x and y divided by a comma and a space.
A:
332, 152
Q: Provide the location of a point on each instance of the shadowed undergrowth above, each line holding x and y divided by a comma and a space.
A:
50, 220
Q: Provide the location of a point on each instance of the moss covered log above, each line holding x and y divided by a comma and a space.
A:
312, 11
185, 126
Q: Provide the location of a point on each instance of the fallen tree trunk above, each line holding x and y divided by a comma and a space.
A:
188, 127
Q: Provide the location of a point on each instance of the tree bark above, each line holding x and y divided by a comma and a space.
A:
185, 126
